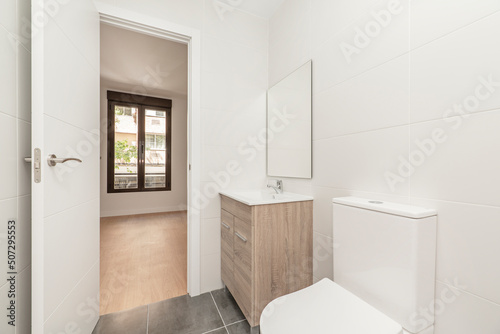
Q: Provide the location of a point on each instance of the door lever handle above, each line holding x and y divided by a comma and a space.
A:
53, 160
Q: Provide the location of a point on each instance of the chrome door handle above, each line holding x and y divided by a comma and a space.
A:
241, 237
225, 225
53, 160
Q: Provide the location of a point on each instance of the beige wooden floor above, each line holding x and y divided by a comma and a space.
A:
143, 259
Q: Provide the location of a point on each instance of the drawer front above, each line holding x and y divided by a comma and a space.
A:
242, 245
237, 209
227, 234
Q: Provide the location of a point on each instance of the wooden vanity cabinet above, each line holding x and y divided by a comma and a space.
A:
266, 252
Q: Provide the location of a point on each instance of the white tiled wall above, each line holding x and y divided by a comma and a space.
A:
234, 83
15, 138
394, 93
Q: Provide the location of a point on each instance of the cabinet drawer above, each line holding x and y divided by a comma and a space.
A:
242, 245
227, 234
237, 209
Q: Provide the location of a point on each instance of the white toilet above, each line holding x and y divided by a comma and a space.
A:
384, 271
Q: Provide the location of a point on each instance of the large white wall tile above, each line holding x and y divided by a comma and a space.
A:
235, 26
221, 56
8, 17
432, 19
210, 272
210, 203
24, 84
8, 79
462, 165
231, 167
323, 214
24, 302
24, 23
289, 39
446, 73
347, 54
361, 161
230, 92
376, 99
294, 185
8, 152
210, 236
323, 249
458, 312
224, 128
23, 232
330, 17
23, 150
468, 250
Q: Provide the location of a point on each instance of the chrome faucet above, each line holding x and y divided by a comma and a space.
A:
278, 188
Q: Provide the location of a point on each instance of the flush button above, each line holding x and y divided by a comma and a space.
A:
375, 202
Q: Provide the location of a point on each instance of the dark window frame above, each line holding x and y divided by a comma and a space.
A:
141, 103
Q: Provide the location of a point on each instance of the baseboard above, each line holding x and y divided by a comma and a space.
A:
139, 211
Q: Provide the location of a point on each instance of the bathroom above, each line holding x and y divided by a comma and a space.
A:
405, 95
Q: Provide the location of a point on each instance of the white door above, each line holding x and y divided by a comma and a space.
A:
65, 203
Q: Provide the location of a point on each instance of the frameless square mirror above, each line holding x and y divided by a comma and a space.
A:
289, 125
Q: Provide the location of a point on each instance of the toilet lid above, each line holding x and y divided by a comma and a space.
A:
324, 308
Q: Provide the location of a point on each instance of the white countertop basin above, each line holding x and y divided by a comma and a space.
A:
263, 197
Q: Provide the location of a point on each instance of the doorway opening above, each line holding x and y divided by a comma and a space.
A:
144, 169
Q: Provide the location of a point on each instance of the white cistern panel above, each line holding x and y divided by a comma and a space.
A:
387, 258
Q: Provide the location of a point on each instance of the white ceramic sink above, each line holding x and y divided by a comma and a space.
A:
262, 197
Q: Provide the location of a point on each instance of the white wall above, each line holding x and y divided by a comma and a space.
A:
394, 93
15, 136
116, 204
234, 83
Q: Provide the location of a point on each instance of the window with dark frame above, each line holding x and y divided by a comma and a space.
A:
139, 143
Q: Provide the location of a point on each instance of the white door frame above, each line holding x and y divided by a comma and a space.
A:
192, 38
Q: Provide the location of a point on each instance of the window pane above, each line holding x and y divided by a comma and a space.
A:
160, 142
126, 148
150, 141
155, 149
157, 113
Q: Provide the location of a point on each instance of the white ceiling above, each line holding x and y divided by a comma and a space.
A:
144, 63
262, 8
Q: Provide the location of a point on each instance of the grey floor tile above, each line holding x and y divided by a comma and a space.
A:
184, 315
241, 328
227, 306
131, 322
